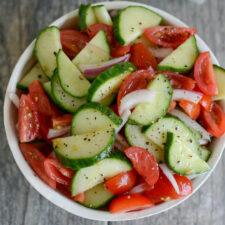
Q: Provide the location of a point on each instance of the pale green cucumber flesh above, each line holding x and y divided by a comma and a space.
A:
102, 15
182, 59
84, 150
93, 117
220, 81
46, 47
147, 113
105, 87
181, 159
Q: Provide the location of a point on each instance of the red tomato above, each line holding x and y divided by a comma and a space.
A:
141, 57
95, 28
118, 50
72, 42
129, 202
206, 102
40, 98
169, 36
163, 190
36, 161
28, 121
58, 172
135, 81
204, 74
121, 183
192, 109
172, 106
44, 147
115, 109
214, 121
61, 121
179, 81
144, 163
79, 197
45, 125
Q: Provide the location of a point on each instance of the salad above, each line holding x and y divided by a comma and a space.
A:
117, 113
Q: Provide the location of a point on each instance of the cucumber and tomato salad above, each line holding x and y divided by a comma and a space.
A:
89, 84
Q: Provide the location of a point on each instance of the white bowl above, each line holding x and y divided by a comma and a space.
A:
10, 119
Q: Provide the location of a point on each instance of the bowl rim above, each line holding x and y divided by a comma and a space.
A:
54, 196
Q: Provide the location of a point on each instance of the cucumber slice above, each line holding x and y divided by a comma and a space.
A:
86, 17
131, 22
157, 133
105, 87
71, 79
147, 113
136, 138
84, 150
182, 59
181, 159
62, 99
206, 153
93, 117
46, 47
86, 178
220, 80
102, 15
96, 51
97, 196
48, 89
34, 74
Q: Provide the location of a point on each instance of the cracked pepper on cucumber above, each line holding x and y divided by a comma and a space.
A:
108, 83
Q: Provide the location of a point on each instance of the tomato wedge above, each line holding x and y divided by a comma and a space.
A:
79, 197
214, 121
179, 81
141, 57
129, 202
118, 50
206, 102
137, 80
121, 183
163, 190
41, 100
28, 121
144, 163
58, 172
193, 110
61, 121
36, 161
172, 106
72, 42
95, 28
204, 75
169, 36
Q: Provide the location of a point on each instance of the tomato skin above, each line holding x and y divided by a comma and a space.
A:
79, 197
141, 57
193, 110
72, 42
144, 163
169, 36
118, 50
57, 171
206, 102
135, 81
121, 183
28, 121
164, 191
36, 161
45, 125
204, 75
214, 121
40, 98
129, 202
95, 28
61, 121
173, 104
179, 81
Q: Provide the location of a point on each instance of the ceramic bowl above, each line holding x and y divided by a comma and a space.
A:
10, 119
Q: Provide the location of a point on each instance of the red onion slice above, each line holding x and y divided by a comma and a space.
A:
120, 143
97, 68
160, 53
140, 188
191, 123
192, 96
169, 174
125, 117
54, 133
132, 99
